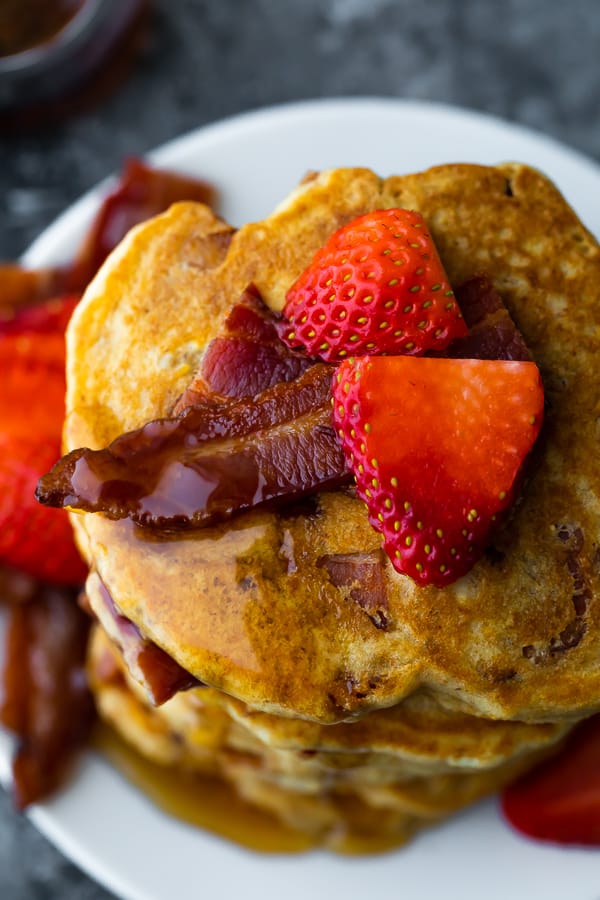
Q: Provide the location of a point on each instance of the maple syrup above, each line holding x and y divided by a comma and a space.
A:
210, 803
204, 801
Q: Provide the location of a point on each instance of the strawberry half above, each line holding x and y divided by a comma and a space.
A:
436, 446
376, 287
560, 800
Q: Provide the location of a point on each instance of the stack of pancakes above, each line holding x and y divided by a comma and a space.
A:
362, 706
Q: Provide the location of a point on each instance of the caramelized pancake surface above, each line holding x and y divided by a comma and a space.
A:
251, 608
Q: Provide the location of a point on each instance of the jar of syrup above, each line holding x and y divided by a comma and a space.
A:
59, 56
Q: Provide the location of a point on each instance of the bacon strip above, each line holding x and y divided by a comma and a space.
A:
46, 700
211, 462
246, 358
492, 332
21, 287
224, 455
158, 673
140, 193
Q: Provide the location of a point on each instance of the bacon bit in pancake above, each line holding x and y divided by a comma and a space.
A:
361, 577
571, 538
160, 675
211, 462
46, 700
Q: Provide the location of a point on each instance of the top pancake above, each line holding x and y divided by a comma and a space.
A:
247, 607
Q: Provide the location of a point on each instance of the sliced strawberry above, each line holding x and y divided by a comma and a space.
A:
560, 800
32, 409
50, 317
436, 446
32, 399
377, 286
34, 539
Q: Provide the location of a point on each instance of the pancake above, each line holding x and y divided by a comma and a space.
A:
368, 783
246, 607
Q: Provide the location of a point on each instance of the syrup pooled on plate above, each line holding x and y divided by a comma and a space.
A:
203, 801
210, 803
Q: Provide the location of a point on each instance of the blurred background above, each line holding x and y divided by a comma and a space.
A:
169, 66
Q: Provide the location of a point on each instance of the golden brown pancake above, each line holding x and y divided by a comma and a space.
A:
247, 607
349, 786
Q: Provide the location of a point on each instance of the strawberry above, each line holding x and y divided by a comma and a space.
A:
52, 316
35, 540
377, 286
436, 446
560, 800
32, 399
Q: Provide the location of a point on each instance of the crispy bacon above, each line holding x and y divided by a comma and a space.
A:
20, 287
16, 586
492, 332
223, 455
50, 317
211, 462
246, 358
155, 670
46, 700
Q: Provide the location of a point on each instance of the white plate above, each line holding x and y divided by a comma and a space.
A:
100, 821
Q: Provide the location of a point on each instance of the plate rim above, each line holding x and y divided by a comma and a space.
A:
262, 115
45, 818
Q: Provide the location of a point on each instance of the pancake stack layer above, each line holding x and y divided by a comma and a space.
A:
340, 722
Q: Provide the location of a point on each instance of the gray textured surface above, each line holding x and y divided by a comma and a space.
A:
530, 61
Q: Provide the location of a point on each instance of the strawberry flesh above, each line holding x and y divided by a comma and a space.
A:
436, 446
34, 540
